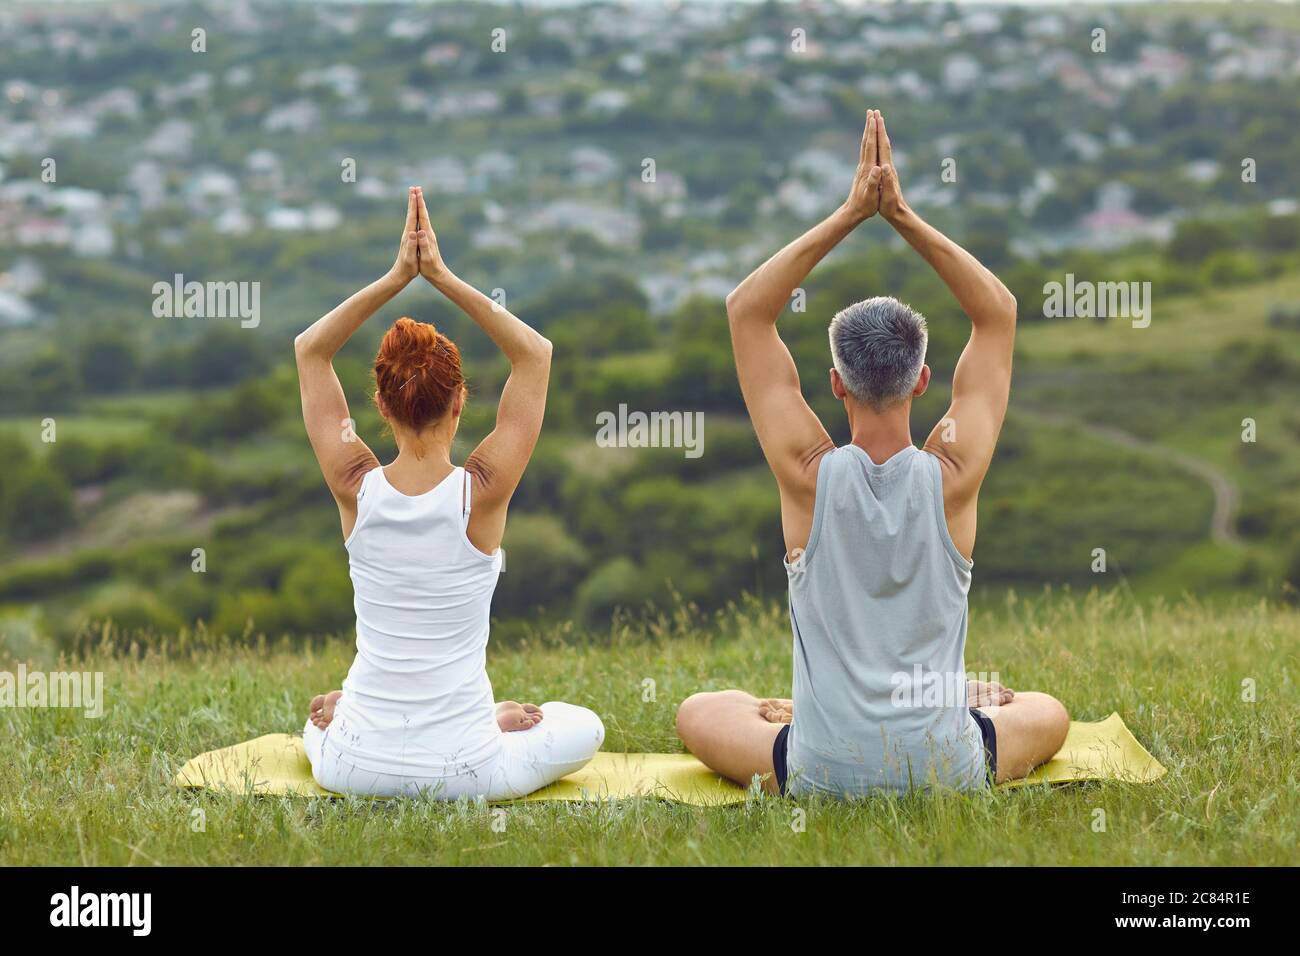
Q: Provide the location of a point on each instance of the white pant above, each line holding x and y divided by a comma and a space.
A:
565, 741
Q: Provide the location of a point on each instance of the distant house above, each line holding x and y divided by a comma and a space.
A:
209, 183
799, 198
95, 238
545, 104
43, 231
265, 170
593, 165
173, 138
1086, 147
14, 309
77, 202
1203, 171
441, 53
495, 237
799, 103
194, 87
23, 277
668, 186
1114, 228
1161, 64
613, 227
118, 102
343, 79
464, 103
494, 166
443, 174
298, 116
319, 217
607, 102
147, 180
284, 219
960, 72
407, 27
233, 221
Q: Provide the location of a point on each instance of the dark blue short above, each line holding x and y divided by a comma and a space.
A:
987, 732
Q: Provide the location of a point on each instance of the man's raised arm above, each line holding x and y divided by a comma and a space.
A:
789, 432
964, 440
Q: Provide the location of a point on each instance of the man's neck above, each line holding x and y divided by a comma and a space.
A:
881, 434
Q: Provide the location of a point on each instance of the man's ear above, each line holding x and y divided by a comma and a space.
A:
837, 385
922, 382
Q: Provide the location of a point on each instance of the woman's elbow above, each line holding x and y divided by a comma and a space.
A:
306, 345
733, 304
1010, 307
541, 351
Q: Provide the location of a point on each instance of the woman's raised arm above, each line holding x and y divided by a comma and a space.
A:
343, 457
498, 463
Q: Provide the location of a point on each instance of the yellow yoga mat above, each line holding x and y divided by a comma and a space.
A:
276, 764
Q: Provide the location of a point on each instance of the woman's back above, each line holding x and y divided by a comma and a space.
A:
416, 713
418, 694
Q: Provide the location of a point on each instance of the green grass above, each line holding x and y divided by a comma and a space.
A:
76, 790
1185, 329
91, 427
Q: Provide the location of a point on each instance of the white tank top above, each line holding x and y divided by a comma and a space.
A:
417, 699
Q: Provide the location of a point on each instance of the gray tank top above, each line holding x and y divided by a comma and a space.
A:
878, 609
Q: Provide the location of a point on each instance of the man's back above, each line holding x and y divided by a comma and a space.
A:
881, 553
878, 609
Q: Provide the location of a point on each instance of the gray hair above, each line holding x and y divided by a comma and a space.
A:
878, 347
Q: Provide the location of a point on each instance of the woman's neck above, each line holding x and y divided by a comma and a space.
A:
421, 463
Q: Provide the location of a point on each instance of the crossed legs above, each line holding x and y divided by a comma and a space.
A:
733, 732
510, 714
1030, 730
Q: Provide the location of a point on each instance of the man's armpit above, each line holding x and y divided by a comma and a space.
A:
807, 464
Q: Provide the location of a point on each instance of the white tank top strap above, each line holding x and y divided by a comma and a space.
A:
466, 491
365, 500
366, 481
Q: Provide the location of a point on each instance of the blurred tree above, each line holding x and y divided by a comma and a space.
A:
108, 362
616, 584
39, 505
544, 565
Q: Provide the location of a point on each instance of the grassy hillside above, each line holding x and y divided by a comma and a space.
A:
1179, 395
74, 790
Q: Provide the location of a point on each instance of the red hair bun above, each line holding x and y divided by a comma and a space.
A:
417, 373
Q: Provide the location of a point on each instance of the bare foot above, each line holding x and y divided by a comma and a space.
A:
987, 694
322, 708
516, 716
776, 710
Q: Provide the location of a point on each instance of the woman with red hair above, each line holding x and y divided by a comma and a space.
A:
416, 713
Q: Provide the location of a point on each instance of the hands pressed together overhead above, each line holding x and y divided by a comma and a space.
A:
418, 252
875, 183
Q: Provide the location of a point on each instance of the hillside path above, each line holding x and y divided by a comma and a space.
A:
1227, 496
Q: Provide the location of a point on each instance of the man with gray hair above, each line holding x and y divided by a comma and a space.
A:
878, 534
